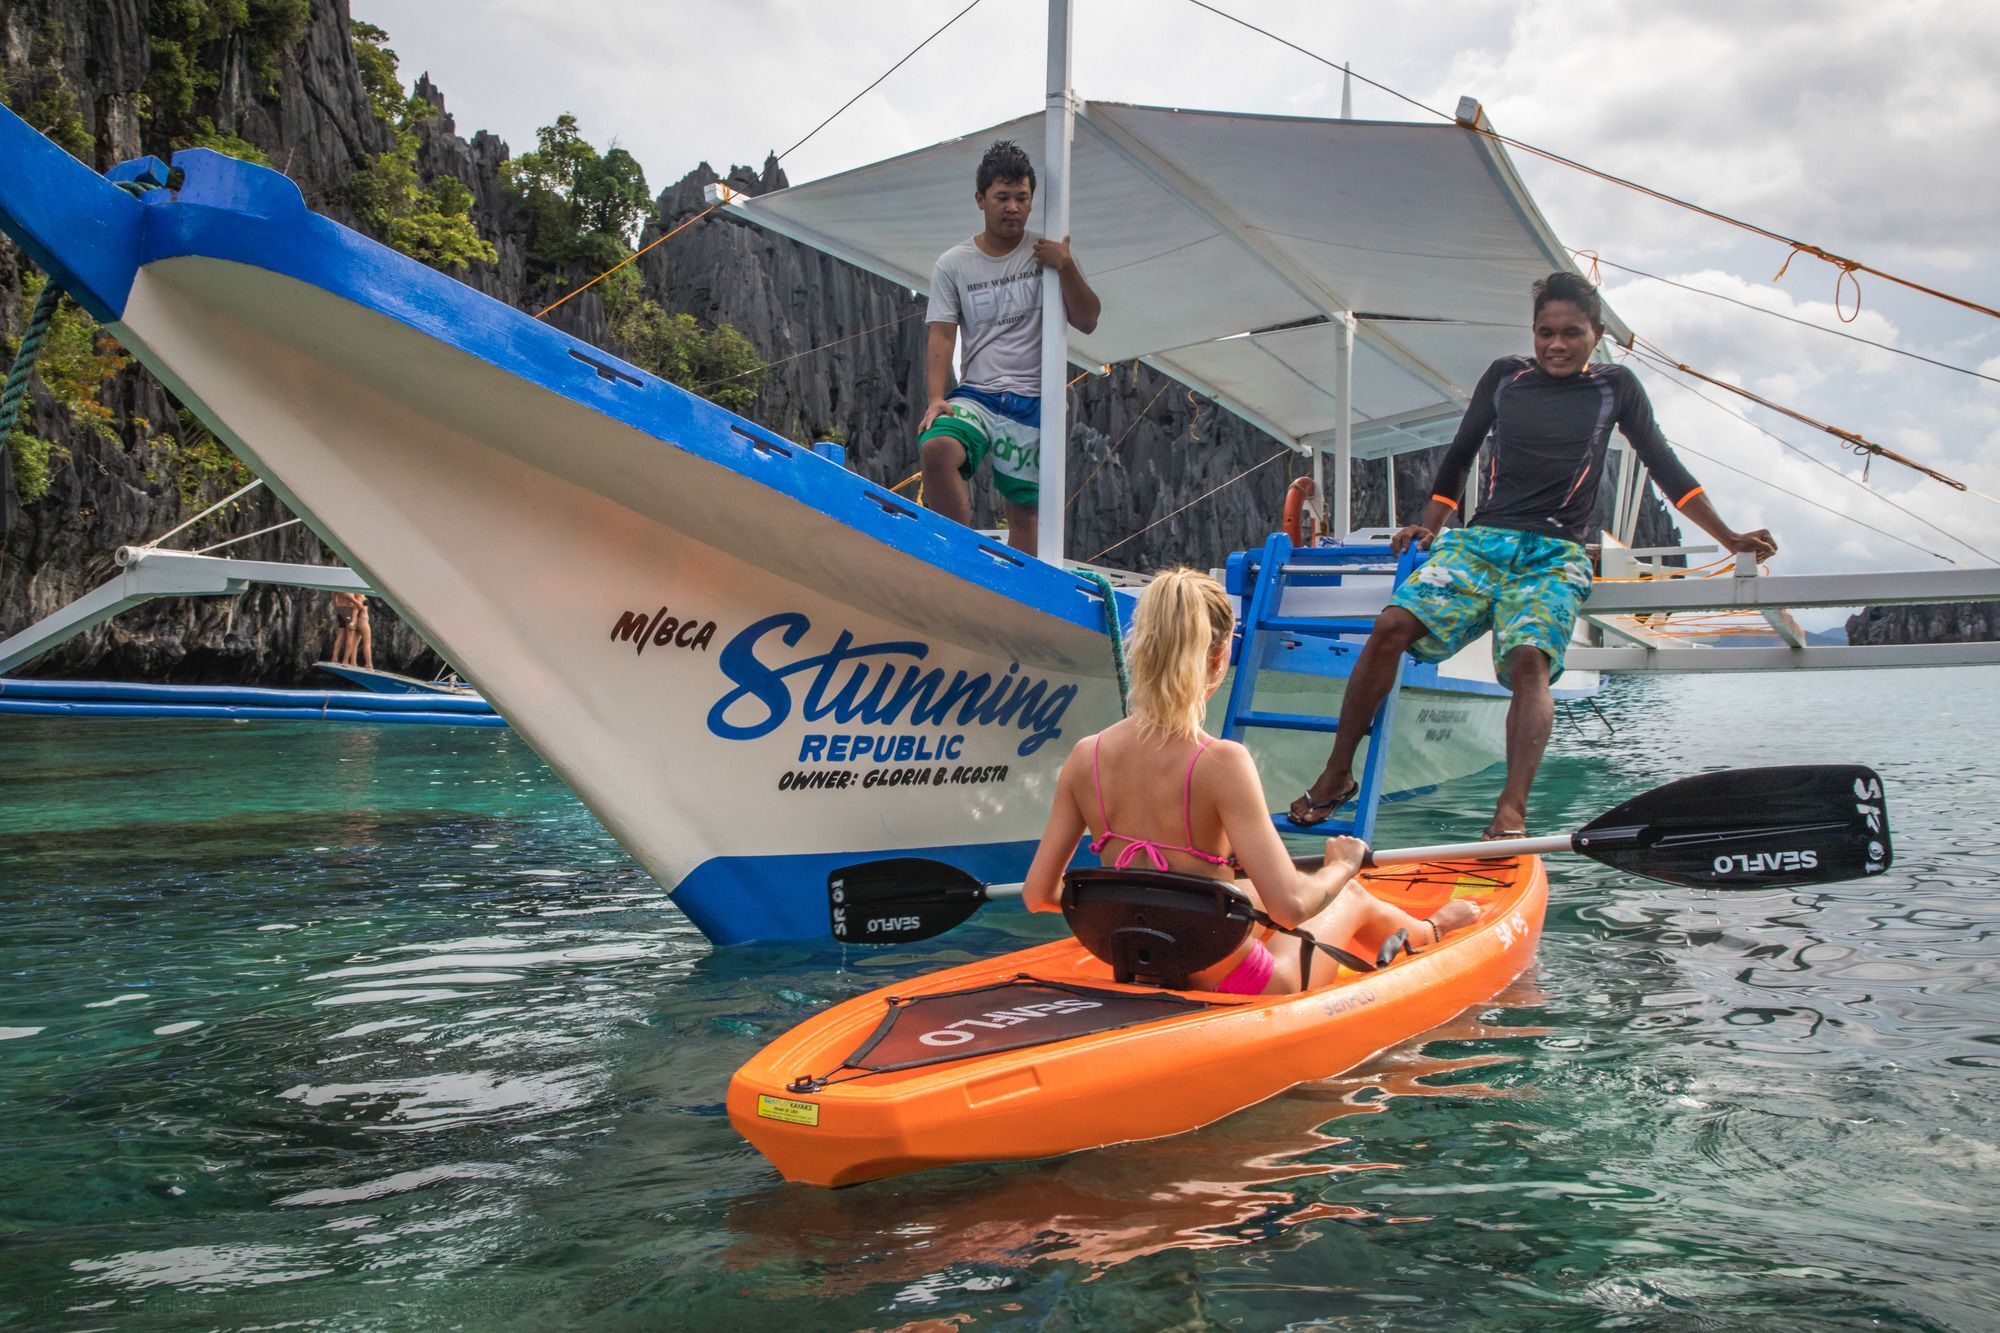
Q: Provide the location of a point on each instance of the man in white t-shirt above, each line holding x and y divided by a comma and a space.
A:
991, 287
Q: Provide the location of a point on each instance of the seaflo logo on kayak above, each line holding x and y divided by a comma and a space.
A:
1764, 863
957, 1034
872, 684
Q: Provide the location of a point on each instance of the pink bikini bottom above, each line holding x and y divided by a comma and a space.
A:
1252, 975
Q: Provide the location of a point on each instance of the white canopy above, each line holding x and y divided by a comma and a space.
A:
1227, 247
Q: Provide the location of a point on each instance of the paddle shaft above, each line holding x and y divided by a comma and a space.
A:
1495, 849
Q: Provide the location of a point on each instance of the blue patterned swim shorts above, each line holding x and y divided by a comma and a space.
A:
1523, 586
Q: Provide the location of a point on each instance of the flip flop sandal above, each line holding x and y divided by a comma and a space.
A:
1321, 809
1501, 834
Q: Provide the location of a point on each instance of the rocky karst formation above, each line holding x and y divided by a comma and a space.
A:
845, 354
1943, 622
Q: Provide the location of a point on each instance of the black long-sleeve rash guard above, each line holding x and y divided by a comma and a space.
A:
1550, 433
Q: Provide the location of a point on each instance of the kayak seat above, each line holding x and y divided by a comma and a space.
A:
1154, 926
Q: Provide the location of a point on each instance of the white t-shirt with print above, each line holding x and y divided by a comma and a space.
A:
997, 305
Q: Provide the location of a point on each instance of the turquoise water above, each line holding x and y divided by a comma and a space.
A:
376, 1028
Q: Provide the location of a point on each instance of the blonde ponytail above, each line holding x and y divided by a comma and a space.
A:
1181, 616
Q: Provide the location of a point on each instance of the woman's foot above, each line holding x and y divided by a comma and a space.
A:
1317, 804
1454, 915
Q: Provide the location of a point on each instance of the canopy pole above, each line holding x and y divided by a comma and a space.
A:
1059, 124
1389, 467
1343, 431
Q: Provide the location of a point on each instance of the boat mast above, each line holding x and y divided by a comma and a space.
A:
1342, 514
1059, 124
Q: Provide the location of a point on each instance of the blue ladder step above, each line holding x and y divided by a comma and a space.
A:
1317, 626
1286, 721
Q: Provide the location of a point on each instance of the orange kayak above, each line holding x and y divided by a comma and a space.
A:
1039, 1053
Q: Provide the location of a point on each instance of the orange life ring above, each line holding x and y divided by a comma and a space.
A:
1295, 509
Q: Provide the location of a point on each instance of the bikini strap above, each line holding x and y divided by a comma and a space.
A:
1097, 785
1187, 795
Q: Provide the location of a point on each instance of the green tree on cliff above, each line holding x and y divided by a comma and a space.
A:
581, 206
428, 221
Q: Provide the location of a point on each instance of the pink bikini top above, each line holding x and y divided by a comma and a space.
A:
1154, 850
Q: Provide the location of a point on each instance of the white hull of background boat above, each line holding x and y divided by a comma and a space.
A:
751, 664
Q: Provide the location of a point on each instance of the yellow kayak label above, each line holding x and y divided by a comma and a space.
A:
787, 1110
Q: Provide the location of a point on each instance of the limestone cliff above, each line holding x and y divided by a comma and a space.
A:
844, 349
1944, 622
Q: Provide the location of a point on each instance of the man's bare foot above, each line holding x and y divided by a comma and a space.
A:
1454, 915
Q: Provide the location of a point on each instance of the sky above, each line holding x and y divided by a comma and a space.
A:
1868, 129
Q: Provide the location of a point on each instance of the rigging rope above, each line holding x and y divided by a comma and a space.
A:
1858, 443
1129, 428
1191, 503
32, 336
779, 158
235, 494
1596, 259
1116, 633
1848, 267
758, 370
1821, 463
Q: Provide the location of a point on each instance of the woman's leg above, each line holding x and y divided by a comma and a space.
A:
1355, 911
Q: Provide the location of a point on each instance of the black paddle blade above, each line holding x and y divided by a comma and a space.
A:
896, 901
1749, 828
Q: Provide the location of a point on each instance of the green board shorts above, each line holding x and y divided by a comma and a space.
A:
1016, 448
1524, 586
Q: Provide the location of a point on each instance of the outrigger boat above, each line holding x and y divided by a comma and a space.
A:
691, 618
687, 616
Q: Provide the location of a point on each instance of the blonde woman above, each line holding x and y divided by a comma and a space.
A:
1156, 791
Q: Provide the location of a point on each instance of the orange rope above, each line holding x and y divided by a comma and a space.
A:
1191, 503
628, 259
1820, 463
1848, 267
1129, 428
1714, 566
757, 370
1857, 443
1596, 259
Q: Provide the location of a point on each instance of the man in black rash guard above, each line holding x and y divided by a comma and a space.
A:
1520, 568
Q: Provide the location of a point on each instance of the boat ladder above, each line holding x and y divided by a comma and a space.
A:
1262, 579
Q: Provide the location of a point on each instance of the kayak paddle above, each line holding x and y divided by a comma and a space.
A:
1741, 828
